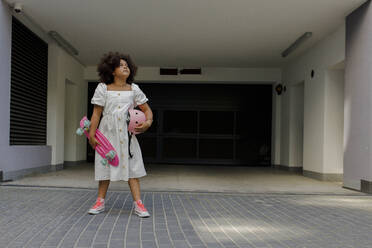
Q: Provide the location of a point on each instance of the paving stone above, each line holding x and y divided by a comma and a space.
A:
58, 217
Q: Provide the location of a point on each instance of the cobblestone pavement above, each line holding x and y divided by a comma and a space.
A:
45, 217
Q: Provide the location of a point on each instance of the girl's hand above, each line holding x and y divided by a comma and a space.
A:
143, 127
93, 142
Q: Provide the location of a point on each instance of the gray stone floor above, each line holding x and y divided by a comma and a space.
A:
53, 217
194, 178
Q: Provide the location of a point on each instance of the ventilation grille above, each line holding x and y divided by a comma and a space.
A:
168, 71
29, 79
192, 71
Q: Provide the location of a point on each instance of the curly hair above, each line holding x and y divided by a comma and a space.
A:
110, 62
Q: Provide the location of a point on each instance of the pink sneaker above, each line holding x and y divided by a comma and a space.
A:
98, 207
140, 209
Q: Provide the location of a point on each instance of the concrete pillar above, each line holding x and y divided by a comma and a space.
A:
314, 124
291, 149
358, 100
56, 106
296, 123
5, 56
323, 146
334, 124
275, 135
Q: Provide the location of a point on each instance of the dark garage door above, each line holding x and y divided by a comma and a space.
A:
206, 124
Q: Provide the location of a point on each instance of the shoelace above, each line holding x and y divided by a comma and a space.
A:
141, 207
98, 204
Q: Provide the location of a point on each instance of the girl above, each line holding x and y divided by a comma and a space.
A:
113, 98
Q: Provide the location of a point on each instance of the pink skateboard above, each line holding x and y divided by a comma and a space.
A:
106, 150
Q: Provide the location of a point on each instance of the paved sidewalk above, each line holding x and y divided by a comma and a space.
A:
43, 217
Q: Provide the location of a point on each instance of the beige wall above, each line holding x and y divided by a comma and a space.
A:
63, 67
319, 100
209, 74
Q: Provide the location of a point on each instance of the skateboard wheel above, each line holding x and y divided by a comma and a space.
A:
86, 123
104, 162
110, 155
79, 131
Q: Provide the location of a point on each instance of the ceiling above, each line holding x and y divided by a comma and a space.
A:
193, 33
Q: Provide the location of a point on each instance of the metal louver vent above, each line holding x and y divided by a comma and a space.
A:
29, 80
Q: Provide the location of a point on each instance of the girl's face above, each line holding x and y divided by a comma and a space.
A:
123, 69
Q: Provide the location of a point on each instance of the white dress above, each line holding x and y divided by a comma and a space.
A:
114, 126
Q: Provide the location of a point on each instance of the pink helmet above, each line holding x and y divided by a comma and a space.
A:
135, 118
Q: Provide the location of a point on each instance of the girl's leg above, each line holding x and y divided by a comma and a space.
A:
99, 206
102, 188
139, 208
135, 188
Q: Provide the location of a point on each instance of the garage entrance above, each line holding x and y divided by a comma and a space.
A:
209, 124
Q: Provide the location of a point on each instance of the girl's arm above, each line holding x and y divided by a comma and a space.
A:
149, 118
97, 111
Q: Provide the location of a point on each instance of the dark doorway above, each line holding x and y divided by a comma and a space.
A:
205, 124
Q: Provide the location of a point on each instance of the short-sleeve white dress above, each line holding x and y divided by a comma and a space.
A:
116, 105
